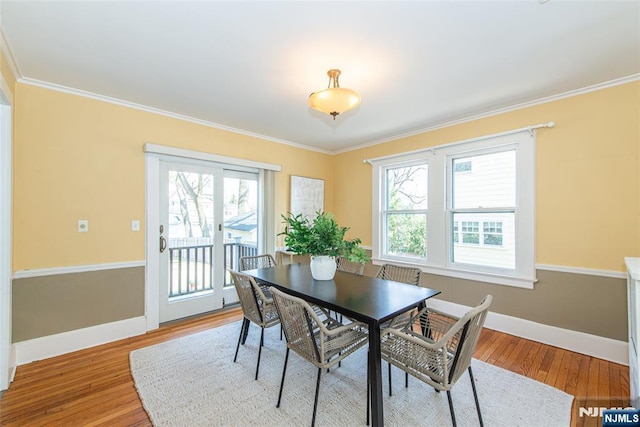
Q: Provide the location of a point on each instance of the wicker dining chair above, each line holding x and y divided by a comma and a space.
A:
266, 261
256, 308
257, 261
440, 351
410, 276
343, 264
397, 273
322, 342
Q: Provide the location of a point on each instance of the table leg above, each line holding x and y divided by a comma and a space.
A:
375, 375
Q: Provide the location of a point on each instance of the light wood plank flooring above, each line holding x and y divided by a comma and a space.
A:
93, 387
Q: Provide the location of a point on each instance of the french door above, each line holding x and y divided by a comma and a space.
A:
208, 220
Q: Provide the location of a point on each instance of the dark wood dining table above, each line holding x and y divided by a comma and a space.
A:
366, 299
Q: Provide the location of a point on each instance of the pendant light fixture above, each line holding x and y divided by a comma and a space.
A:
334, 99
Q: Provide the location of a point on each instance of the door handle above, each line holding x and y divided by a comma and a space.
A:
163, 244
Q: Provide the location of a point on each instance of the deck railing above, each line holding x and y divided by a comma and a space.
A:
191, 266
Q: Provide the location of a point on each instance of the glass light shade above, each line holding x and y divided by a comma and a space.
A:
334, 100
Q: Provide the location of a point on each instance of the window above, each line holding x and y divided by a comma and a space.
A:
486, 196
462, 167
470, 232
405, 213
492, 231
463, 210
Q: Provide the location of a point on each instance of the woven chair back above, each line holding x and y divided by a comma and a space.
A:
297, 324
343, 264
257, 261
398, 273
246, 289
468, 338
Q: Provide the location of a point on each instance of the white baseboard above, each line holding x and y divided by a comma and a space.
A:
580, 342
12, 364
66, 342
592, 345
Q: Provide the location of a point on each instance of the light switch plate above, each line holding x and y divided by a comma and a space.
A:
135, 225
83, 225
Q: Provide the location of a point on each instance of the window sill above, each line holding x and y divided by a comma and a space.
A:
496, 279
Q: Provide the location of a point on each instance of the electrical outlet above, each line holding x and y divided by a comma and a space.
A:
135, 225
83, 225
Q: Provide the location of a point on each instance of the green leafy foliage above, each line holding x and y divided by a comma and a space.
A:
323, 236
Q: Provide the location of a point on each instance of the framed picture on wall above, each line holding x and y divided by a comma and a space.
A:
307, 196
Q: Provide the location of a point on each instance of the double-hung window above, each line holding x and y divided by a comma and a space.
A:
464, 209
483, 201
404, 211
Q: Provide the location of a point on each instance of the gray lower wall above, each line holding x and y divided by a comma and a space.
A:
591, 304
578, 302
594, 305
52, 304
49, 305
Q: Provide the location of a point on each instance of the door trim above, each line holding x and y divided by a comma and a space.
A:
150, 148
153, 155
152, 221
7, 355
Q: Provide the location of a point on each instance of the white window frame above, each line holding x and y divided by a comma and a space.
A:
439, 227
384, 211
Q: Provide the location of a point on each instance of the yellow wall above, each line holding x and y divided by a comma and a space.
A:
7, 75
587, 180
79, 158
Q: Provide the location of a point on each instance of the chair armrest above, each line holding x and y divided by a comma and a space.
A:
259, 290
435, 321
427, 310
442, 327
416, 339
323, 325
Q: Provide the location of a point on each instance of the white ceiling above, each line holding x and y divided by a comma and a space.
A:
250, 66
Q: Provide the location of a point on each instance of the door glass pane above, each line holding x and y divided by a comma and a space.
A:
190, 233
240, 219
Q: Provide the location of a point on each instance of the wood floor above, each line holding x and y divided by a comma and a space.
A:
93, 387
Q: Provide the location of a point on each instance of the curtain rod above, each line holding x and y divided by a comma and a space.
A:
529, 129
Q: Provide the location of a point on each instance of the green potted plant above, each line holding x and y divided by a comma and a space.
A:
323, 239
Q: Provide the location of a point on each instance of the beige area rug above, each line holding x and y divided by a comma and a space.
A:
192, 381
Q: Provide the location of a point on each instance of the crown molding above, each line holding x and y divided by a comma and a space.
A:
123, 103
552, 98
545, 100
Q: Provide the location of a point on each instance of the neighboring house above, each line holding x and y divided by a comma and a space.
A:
242, 228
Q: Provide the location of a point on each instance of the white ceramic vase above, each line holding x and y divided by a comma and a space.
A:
323, 267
